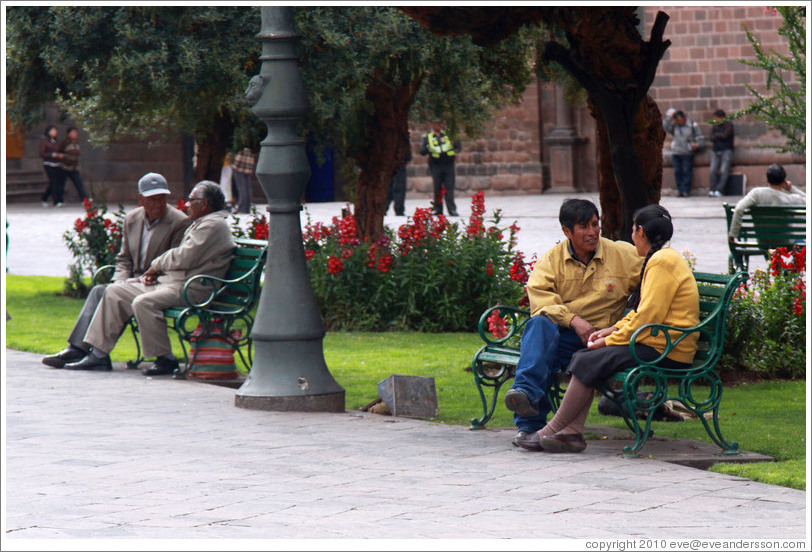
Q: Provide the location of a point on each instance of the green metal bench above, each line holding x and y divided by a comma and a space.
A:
764, 228
699, 388
227, 307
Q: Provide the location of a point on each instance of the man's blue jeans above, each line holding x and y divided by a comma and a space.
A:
683, 172
546, 348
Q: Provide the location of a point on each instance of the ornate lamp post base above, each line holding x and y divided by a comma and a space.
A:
288, 371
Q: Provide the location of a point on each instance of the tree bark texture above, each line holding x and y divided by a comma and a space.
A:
212, 148
648, 132
385, 151
609, 58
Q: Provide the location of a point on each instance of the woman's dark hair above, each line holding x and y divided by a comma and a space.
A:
47, 130
576, 211
656, 224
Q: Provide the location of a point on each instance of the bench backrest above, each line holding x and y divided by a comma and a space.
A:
771, 226
715, 294
243, 278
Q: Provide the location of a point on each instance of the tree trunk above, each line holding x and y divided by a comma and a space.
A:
648, 138
385, 151
212, 148
617, 86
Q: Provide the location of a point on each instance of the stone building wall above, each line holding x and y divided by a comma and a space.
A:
699, 73
521, 154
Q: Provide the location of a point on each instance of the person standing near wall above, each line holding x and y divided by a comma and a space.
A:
70, 162
721, 155
687, 138
442, 151
49, 152
397, 188
245, 163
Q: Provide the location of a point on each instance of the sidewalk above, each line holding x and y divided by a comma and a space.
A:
94, 455
36, 245
118, 456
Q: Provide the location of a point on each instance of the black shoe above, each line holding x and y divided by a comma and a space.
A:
528, 441
162, 367
63, 357
91, 362
519, 402
453, 214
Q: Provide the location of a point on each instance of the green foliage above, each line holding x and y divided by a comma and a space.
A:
783, 105
132, 70
94, 241
344, 51
766, 326
430, 275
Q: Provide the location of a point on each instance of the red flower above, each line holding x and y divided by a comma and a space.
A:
261, 231
334, 265
497, 325
518, 269
346, 253
309, 253
384, 263
489, 268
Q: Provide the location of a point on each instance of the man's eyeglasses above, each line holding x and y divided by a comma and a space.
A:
191, 199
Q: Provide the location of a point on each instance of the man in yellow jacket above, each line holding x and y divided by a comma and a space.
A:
577, 287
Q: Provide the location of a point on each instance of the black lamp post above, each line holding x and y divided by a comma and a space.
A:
288, 372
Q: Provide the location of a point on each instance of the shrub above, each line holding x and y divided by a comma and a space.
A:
94, 241
257, 226
430, 275
766, 328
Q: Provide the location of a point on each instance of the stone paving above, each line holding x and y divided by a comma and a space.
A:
94, 455
120, 456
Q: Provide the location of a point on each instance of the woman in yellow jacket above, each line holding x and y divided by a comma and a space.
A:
667, 294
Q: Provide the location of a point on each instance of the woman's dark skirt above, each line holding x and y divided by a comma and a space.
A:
593, 367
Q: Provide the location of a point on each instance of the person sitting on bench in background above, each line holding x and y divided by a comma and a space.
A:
779, 191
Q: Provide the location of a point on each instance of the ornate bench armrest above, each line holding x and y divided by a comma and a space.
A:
215, 285
516, 319
704, 327
101, 271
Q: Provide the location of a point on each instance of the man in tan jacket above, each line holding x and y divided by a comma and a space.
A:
147, 231
207, 247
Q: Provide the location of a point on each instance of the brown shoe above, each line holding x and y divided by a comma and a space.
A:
528, 441
563, 442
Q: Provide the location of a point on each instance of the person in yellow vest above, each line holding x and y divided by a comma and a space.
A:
442, 151
667, 294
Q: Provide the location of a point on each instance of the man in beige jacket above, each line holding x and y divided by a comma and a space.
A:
207, 247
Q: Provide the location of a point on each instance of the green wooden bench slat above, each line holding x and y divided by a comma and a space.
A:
716, 291
764, 228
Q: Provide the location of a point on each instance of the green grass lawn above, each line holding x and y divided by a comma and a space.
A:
768, 418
